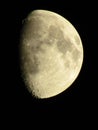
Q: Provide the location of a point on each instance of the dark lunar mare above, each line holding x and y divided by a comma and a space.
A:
63, 44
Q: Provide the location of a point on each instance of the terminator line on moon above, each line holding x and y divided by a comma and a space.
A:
51, 53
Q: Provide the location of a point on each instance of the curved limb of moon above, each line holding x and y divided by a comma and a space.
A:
51, 53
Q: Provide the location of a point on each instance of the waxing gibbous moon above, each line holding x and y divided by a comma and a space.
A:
51, 53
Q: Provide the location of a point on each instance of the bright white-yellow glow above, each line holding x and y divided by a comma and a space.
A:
59, 57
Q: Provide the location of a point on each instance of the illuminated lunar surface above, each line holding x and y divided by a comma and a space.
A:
51, 53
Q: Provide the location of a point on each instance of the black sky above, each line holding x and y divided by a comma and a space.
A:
79, 101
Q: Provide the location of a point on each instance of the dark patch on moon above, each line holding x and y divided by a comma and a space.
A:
75, 54
63, 44
35, 47
33, 65
55, 32
30, 66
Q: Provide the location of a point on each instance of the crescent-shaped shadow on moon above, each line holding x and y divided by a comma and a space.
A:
51, 53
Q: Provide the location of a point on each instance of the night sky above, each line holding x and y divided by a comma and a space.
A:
78, 103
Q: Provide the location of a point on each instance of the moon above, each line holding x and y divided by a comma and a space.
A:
51, 53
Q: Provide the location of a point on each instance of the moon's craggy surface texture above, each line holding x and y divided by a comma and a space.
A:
51, 53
